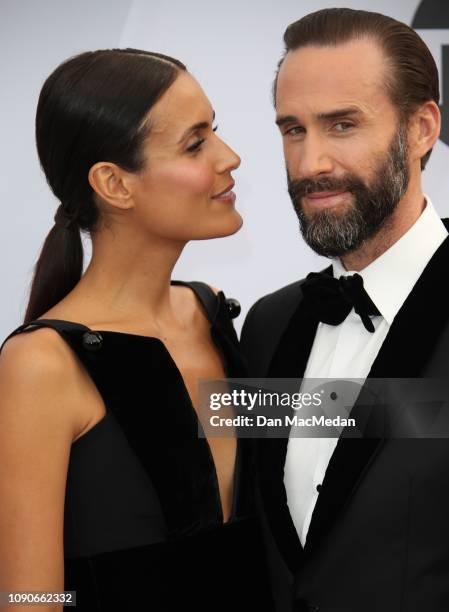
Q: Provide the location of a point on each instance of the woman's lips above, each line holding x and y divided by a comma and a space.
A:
227, 197
325, 199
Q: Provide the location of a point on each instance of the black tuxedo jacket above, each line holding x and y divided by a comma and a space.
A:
379, 534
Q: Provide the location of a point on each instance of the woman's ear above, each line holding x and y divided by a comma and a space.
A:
424, 129
111, 184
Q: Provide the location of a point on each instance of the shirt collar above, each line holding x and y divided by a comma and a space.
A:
389, 279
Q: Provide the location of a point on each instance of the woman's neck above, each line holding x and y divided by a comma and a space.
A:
127, 280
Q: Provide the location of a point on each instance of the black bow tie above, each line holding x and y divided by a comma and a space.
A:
332, 299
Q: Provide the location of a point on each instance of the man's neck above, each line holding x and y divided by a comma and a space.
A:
405, 215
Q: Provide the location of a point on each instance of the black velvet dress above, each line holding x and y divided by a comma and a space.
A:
143, 525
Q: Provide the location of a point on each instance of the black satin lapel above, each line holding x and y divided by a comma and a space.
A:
270, 459
292, 353
418, 325
346, 468
289, 361
353, 453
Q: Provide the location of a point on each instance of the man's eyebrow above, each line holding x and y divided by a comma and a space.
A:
350, 111
283, 119
202, 125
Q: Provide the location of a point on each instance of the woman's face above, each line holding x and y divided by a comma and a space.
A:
188, 166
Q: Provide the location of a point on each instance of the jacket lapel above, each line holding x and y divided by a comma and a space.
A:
289, 361
419, 323
405, 353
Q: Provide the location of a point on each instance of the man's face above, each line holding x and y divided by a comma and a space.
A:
345, 149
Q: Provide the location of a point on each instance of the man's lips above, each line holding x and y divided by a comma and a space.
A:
324, 194
325, 199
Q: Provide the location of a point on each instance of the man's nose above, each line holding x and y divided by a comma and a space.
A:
314, 158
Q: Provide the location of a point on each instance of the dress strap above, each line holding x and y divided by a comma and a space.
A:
208, 298
211, 300
58, 324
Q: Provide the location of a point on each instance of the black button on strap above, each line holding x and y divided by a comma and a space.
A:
234, 307
92, 341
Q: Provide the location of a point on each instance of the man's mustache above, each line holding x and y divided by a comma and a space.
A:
300, 188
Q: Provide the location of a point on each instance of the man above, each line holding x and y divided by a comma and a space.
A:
357, 524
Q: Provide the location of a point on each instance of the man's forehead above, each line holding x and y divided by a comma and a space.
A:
355, 69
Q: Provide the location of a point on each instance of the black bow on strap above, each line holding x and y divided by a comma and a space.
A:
332, 299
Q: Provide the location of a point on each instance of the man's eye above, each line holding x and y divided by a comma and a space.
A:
344, 126
294, 131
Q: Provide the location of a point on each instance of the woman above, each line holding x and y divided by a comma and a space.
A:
106, 487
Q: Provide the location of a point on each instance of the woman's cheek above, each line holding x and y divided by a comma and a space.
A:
190, 178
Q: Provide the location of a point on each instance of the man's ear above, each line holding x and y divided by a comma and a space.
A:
112, 184
424, 129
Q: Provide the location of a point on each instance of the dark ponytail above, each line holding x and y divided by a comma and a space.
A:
90, 109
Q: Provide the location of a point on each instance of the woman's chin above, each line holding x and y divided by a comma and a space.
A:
222, 228
231, 227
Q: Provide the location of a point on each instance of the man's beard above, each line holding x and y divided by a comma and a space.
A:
331, 233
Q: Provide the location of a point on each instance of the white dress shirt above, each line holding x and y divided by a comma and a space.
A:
348, 350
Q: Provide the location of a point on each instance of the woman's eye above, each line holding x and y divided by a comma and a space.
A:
196, 145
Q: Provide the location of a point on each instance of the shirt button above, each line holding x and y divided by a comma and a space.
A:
318, 487
234, 307
92, 340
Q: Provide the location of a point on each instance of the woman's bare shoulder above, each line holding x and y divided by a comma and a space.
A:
38, 377
39, 350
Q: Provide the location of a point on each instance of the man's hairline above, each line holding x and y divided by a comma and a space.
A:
387, 85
